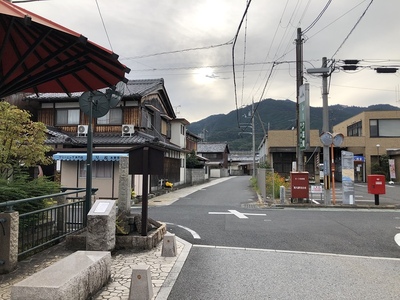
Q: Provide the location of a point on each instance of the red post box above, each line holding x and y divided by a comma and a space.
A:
376, 186
299, 185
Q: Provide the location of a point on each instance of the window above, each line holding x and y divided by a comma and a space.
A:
100, 169
373, 128
68, 116
355, 129
164, 127
113, 117
149, 119
384, 128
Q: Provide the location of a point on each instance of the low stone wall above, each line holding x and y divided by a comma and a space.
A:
138, 242
132, 241
195, 176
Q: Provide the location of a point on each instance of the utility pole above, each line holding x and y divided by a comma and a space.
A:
326, 137
325, 128
299, 82
254, 138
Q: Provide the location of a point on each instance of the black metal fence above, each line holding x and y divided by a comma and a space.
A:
43, 228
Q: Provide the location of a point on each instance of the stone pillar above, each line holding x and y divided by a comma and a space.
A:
62, 214
101, 226
124, 190
9, 224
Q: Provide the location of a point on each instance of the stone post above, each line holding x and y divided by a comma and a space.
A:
124, 190
101, 226
9, 224
62, 215
141, 286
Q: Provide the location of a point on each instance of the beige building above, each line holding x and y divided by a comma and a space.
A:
368, 135
371, 134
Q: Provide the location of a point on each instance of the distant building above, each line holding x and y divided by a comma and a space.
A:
368, 135
241, 162
217, 155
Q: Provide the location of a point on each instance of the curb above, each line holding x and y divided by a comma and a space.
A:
169, 282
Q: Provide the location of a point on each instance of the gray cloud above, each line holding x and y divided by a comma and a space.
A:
143, 27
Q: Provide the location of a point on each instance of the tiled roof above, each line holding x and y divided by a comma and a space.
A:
143, 87
211, 147
107, 139
140, 87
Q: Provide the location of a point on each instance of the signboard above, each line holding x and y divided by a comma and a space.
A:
299, 185
348, 177
304, 116
392, 169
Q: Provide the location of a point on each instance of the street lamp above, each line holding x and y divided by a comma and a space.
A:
325, 72
377, 150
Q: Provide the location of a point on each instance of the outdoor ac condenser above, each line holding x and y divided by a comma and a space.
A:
128, 130
83, 130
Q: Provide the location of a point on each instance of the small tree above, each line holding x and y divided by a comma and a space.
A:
382, 167
21, 140
192, 161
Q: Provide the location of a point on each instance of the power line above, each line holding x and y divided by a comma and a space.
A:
318, 17
354, 27
104, 25
179, 51
244, 60
233, 57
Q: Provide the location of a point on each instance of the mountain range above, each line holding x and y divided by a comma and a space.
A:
234, 128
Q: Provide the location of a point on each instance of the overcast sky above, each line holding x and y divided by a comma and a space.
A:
200, 82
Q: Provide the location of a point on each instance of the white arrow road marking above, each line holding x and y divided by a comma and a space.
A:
235, 213
192, 232
238, 214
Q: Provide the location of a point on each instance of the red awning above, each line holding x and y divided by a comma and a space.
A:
40, 56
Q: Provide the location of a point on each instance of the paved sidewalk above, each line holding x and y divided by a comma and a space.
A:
164, 270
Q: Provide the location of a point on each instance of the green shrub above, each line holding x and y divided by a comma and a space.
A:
23, 187
275, 181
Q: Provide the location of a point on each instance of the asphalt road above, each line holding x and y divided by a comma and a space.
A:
243, 252
220, 215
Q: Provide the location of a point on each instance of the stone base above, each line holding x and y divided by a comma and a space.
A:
131, 241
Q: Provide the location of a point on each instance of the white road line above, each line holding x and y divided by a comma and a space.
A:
397, 239
297, 252
195, 235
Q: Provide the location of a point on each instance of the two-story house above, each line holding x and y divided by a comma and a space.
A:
217, 156
144, 115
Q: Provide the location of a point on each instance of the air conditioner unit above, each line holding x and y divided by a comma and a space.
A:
83, 130
128, 130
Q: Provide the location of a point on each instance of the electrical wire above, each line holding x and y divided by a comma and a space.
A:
233, 58
354, 27
318, 17
244, 60
179, 51
104, 25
